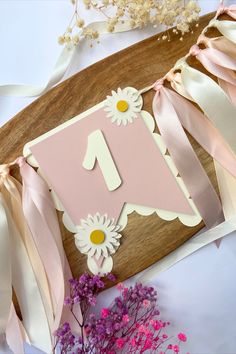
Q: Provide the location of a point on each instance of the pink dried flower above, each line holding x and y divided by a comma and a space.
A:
130, 324
146, 303
125, 318
143, 329
147, 344
125, 292
182, 337
111, 277
176, 348
120, 343
120, 286
156, 325
67, 301
133, 342
105, 312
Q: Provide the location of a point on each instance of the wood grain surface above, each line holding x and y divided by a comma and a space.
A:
145, 239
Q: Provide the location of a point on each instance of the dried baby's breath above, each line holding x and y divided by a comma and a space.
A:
138, 13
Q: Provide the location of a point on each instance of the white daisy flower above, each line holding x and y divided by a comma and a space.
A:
97, 236
122, 106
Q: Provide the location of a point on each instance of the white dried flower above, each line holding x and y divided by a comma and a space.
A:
76, 39
61, 40
140, 13
80, 23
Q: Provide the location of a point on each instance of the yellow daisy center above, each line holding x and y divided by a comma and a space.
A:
97, 237
122, 105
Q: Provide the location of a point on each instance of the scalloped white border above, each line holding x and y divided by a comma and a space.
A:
188, 220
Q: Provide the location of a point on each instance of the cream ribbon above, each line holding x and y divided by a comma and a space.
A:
27, 291
17, 271
5, 275
12, 193
189, 247
15, 333
210, 98
172, 113
62, 64
227, 28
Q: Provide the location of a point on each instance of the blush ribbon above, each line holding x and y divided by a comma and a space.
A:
229, 10
23, 280
217, 58
172, 113
227, 28
41, 217
201, 89
22, 274
32, 260
223, 66
5, 275
219, 64
189, 247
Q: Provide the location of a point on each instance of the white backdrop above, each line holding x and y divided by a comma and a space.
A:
198, 294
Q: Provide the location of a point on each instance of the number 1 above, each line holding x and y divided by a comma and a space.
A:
97, 149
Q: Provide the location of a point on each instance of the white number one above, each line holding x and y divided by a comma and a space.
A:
97, 149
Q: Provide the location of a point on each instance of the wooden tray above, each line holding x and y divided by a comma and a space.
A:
146, 239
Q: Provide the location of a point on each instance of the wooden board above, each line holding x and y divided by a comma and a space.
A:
145, 239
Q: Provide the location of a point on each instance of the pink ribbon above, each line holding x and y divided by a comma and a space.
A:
15, 332
217, 63
41, 217
229, 10
171, 112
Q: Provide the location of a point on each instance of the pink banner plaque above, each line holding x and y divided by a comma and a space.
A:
95, 165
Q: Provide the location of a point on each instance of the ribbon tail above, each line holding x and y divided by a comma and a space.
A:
204, 91
226, 28
229, 89
189, 247
30, 349
221, 66
27, 290
15, 334
13, 197
203, 131
226, 182
42, 220
185, 159
220, 43
232, 14
231, 11
5, 277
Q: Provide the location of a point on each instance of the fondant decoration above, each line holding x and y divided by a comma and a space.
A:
98, 238
122, 106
